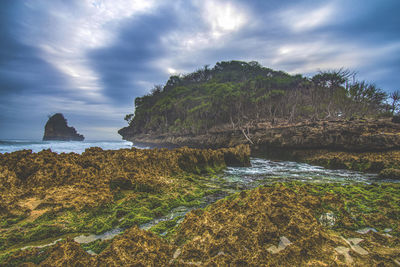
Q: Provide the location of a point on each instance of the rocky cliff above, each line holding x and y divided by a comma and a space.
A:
57, 129
345, 135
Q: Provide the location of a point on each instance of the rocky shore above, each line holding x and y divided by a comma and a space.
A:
361, 145
141, 207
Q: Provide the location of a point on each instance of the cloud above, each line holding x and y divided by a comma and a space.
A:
126, 66
92, 26
203, 27
90, 58
52, 71
301, 19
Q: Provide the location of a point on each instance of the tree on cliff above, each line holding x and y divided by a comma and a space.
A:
237, 94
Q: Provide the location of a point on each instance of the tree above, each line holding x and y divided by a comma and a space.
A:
238, 95
395, 97
366, 98
129, 118
328, 86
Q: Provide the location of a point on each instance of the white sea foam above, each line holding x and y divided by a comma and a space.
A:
264, 171
60, 146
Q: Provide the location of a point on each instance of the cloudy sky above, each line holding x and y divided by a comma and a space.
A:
89, 59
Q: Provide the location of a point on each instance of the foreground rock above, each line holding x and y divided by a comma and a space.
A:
47, 195
275, 225
356, 135
57, 129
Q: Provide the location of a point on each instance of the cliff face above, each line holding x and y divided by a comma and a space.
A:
57, 129
357, 135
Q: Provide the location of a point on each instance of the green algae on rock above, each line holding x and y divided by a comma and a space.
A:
245, 227
272, 225
47, 194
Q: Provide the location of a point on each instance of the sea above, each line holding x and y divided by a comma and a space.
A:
8, 146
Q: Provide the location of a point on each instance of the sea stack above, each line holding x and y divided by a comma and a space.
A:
57, 129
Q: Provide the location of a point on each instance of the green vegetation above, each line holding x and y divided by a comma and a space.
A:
238, 94
164, 227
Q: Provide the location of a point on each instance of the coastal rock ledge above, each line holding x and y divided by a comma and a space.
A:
57, 129
343, 135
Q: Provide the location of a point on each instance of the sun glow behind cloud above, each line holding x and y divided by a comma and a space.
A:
223, 17
217, 22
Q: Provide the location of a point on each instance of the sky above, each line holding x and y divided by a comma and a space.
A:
89, 59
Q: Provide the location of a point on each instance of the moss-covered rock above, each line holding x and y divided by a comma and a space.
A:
136, 248
373, 162
67, 253
390, 173
47, 194
280, 224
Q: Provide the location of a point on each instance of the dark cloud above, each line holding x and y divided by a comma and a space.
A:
126, 62
375, 21
23, 75
21, 68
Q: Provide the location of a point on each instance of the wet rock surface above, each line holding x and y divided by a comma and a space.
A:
87, 180
57, 129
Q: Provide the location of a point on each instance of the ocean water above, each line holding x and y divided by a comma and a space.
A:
265, 171
7, 146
